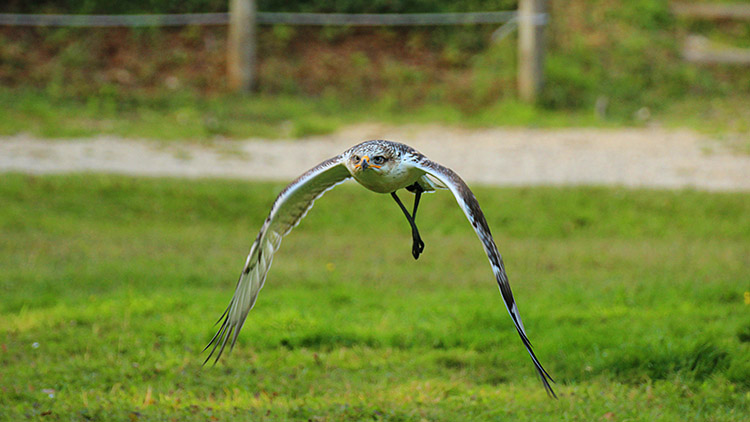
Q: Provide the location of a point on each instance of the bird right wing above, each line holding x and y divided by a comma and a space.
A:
287, 211
470, 206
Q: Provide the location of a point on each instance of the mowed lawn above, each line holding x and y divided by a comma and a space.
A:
636, 301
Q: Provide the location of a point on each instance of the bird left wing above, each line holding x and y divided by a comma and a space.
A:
470, 206
287, 211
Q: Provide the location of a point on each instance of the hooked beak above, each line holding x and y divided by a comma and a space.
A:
363, 164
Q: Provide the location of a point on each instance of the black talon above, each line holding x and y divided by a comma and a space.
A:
417, 245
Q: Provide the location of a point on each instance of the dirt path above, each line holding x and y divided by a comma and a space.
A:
649, 157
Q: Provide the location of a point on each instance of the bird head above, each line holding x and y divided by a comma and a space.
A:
372, 156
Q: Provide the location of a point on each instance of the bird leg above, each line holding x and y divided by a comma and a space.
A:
417, 191
417, 244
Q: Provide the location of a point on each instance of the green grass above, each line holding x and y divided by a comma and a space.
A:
167, 117
189, 117
634, 300
607, 63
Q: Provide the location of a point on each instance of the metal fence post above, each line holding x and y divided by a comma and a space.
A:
530, 49
241, 45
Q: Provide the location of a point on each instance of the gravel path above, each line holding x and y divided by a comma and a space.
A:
649, 157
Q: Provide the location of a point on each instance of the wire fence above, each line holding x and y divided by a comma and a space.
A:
14, 19
241, 45
313, 19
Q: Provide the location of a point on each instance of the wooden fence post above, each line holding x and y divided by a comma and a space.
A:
530, 49
241, 45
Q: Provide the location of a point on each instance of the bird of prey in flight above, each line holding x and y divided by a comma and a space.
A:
383, 167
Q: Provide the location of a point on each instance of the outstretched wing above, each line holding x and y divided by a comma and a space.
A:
289, 208
467, 201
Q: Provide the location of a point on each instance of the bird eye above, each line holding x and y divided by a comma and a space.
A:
378, 159
355, 158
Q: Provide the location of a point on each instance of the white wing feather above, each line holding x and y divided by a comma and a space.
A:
287, 211
470, 206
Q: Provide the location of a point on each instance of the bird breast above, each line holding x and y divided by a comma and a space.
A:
387, 180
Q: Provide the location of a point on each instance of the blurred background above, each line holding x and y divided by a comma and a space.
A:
604, 63
607, 141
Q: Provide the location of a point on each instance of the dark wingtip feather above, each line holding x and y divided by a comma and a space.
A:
548, 387
226, 311
543, 374
221, 336
227, 334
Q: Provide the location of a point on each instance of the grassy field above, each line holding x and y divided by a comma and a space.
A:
636, 302
607, 63
187, 117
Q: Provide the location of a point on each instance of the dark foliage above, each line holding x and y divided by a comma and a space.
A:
198, 6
